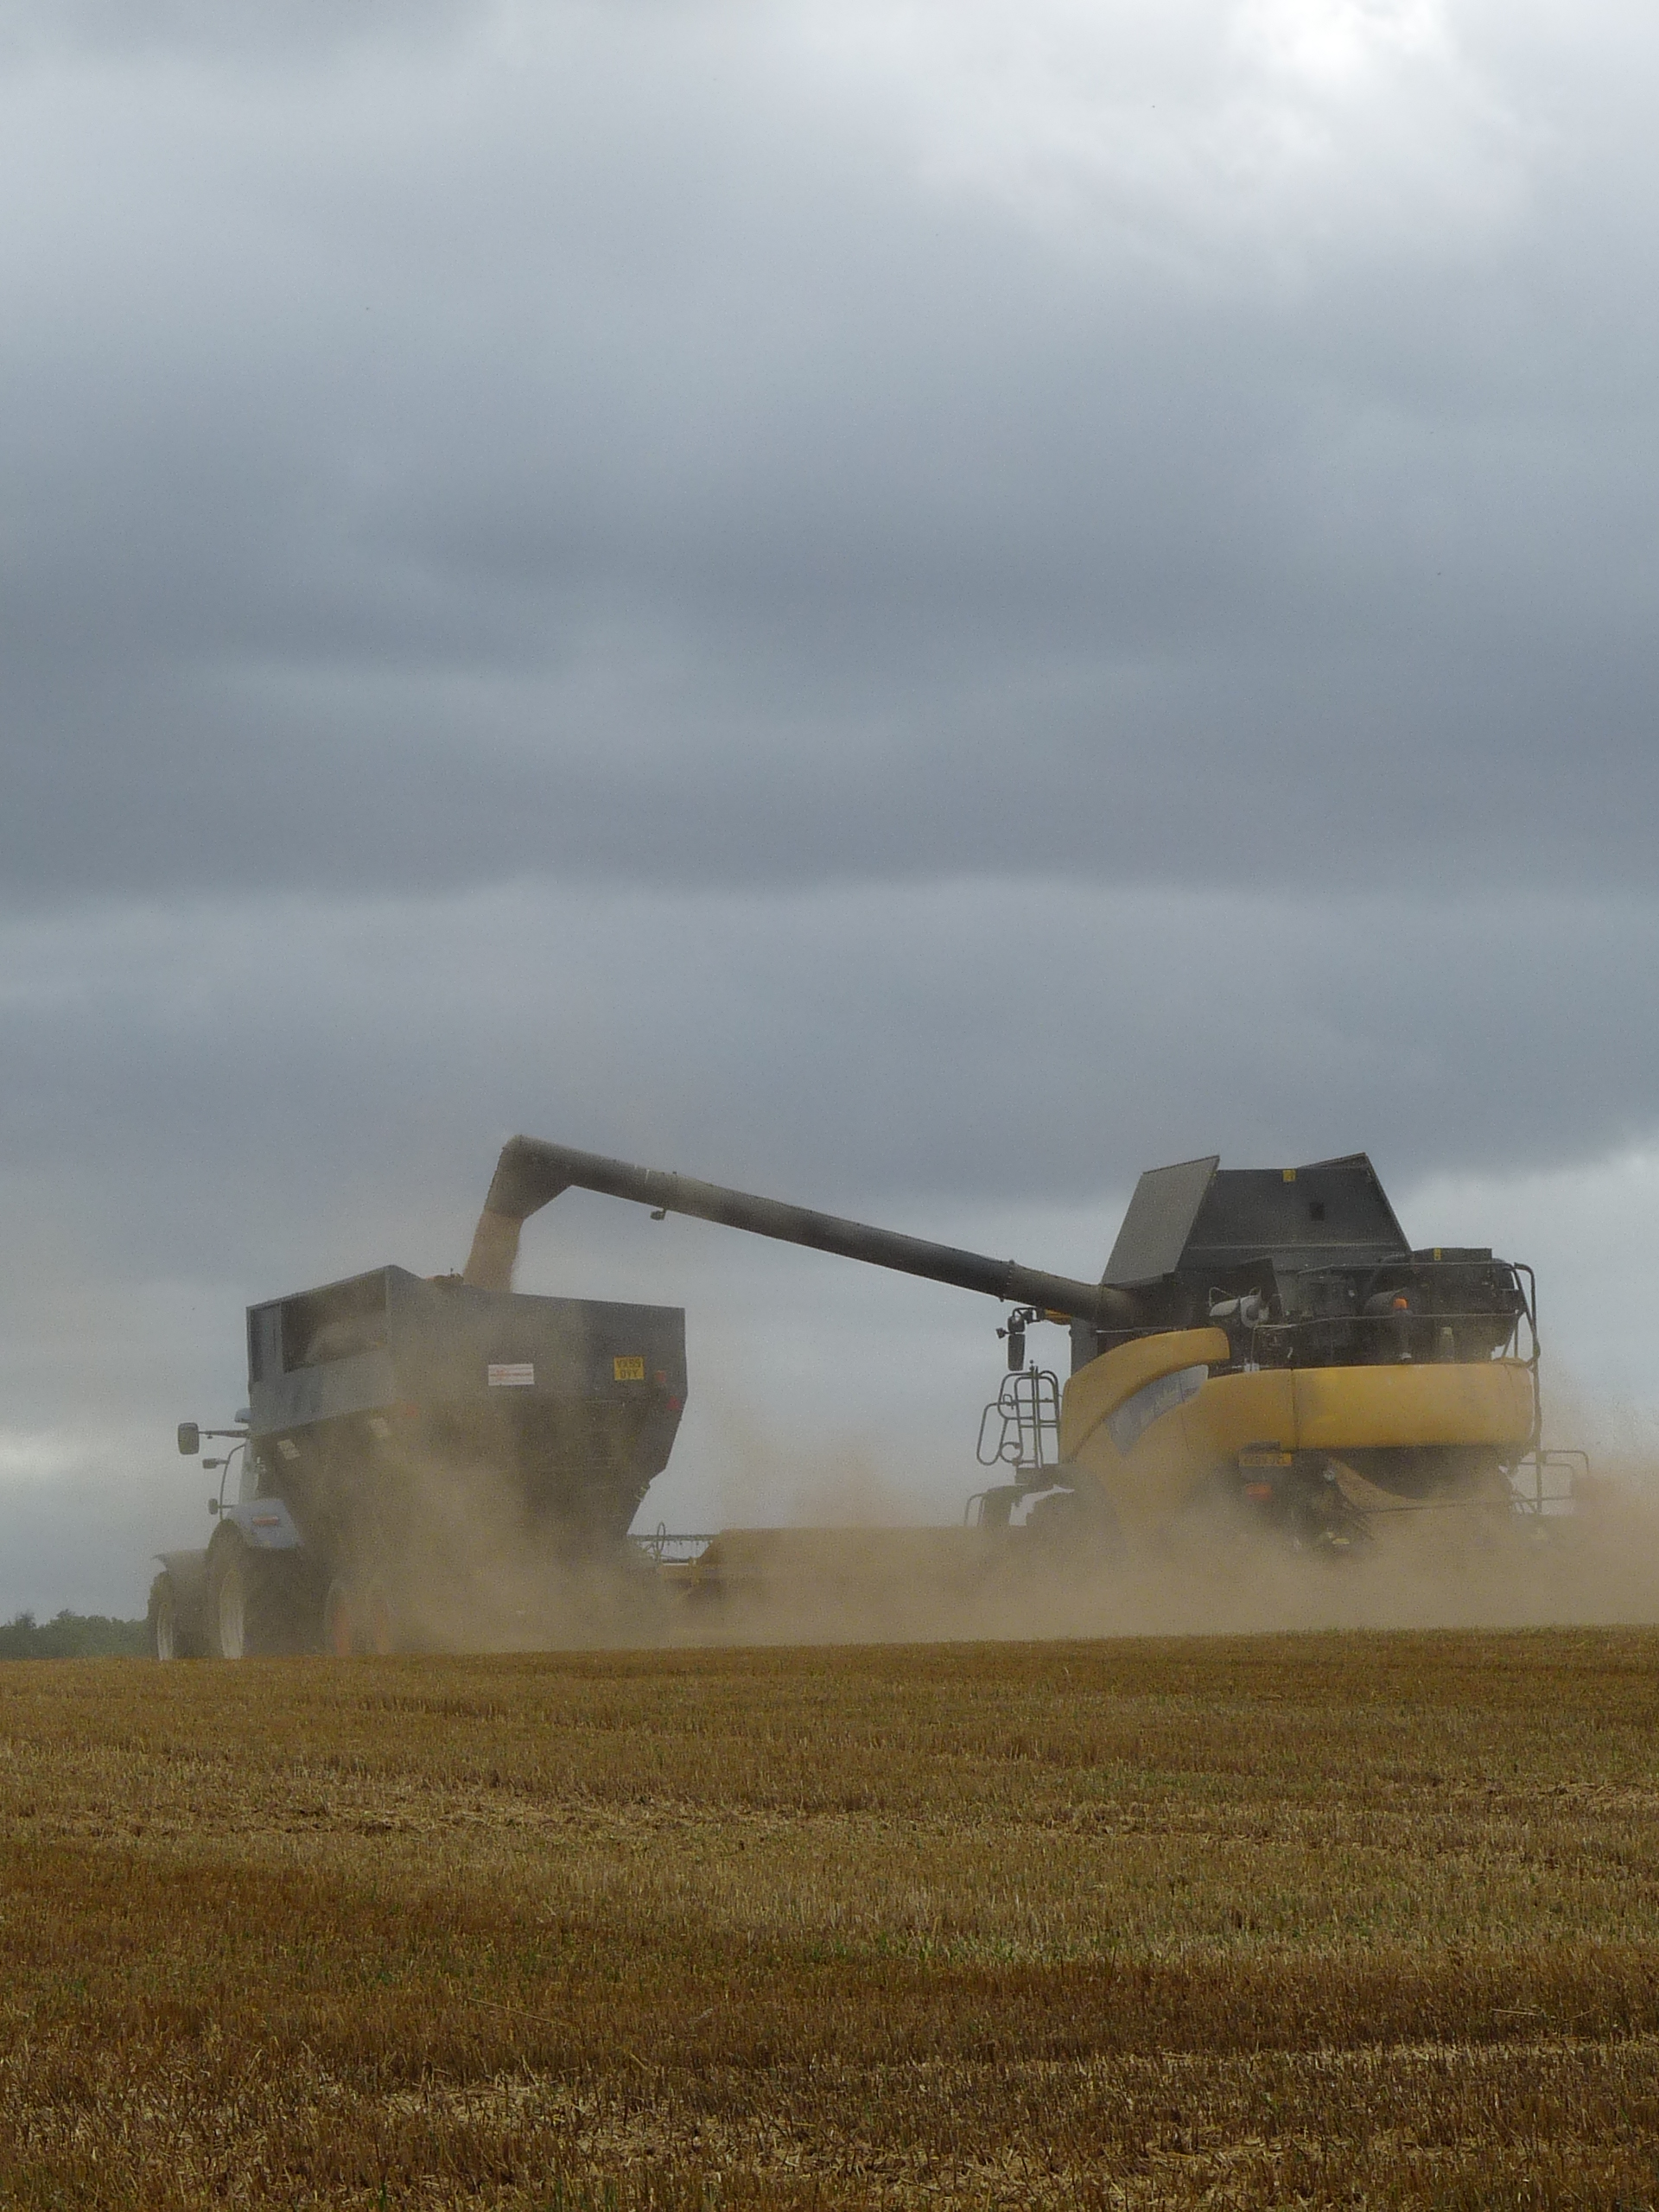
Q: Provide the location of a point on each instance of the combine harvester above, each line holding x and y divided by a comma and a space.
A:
1264, 1346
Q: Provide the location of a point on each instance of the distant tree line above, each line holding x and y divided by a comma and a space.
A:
73, 1636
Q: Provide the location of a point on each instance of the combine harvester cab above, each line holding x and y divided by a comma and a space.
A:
414, 1449
1298, 1361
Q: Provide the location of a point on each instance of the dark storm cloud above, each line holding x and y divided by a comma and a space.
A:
439, 467
965, 1044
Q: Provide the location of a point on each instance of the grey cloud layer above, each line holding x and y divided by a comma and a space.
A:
965, 1043
611, 460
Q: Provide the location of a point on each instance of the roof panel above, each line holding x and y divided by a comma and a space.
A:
1159, 1220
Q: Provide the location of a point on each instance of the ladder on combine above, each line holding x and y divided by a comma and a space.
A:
1019, 1430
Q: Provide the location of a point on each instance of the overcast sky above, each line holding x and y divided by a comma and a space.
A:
917, 607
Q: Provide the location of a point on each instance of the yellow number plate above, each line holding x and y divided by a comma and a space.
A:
628, 1367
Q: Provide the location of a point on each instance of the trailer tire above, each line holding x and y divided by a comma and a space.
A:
338, 1637
174, 1617
377, 1625
162, 1619
357, 1619
243, 1610
169, 1636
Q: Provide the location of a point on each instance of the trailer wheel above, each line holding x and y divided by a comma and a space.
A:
227, 1602
166, 1638
339, 1636
176, 1613
357, 1618
244, 1611
377, 1630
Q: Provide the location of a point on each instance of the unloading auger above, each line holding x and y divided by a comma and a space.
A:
531, 1173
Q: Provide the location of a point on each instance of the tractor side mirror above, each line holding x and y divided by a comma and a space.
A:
189, 1439
1016, 1335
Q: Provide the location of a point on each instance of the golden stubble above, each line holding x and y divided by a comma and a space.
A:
1215, 1920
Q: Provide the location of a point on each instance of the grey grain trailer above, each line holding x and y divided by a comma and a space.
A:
425, 1462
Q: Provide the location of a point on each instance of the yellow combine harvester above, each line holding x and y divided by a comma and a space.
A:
1262, 1341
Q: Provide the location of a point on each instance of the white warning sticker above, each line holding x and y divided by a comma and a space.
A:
514, 1375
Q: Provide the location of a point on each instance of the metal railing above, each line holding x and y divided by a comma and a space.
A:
664, 1548
1547, 1482
1021, 1427
1542, 1482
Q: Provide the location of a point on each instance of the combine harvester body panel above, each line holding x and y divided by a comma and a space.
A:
1157, 1430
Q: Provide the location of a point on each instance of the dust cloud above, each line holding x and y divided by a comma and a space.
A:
474, 1584
482, 1575
1451, 1568
468, 1565
1589, 1559
848, 1570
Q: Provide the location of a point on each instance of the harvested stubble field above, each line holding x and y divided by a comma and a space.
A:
1357, 1918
